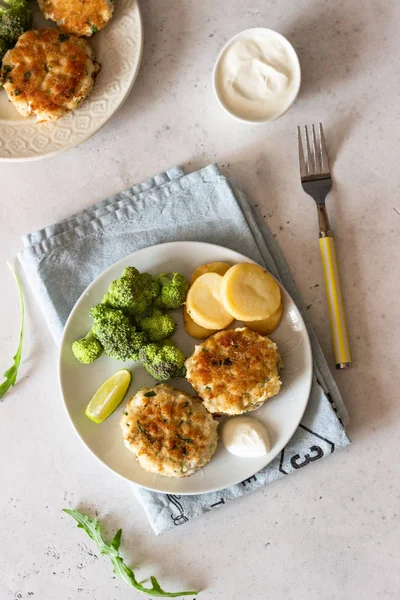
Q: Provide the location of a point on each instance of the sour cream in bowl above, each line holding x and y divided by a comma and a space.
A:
257, 75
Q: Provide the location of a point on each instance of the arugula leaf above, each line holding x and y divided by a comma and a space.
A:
93, 529
11, 373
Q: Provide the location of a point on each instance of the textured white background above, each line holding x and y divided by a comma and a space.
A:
331, 530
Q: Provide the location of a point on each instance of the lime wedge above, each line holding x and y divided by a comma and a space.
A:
109, 395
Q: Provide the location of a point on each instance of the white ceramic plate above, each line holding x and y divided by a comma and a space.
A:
118, 48
281, 414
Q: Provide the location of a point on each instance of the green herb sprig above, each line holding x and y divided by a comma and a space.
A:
11, 373
93, 529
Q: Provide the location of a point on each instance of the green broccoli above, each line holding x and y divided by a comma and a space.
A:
3, 49
174, 288
116, 333
106, 300
157, 325
87, 349
163, 360
133, 290
15, 19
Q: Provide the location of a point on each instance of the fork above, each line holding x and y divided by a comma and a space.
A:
316, 182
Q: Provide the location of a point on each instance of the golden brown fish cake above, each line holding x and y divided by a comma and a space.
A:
48, 73
80, 17
170, 432
235, 371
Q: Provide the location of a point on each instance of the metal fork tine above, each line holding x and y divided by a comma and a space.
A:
315, 152
303, 170
309, 158
323, 152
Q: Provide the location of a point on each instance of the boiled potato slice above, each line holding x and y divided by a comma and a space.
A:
195, 330
249, 293
214, 267
266, 326
204, 304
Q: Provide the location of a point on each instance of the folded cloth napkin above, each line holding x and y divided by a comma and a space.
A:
61, 260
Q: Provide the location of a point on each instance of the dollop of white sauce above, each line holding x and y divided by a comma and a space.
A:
246, 437
258, 76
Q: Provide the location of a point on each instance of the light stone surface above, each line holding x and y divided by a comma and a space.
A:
329, 531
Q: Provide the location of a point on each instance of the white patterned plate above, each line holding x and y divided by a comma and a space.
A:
118, 48
281, 414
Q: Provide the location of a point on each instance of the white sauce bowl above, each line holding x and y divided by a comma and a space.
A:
242, 74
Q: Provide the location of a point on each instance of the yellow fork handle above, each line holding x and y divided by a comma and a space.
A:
335, 302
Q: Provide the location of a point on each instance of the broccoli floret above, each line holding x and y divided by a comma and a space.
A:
133, 290
15, 19
106, 300
157, 325
174, 288
4, 46
87, 349
163, 360
118, 336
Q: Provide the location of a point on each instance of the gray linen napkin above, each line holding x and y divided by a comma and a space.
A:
61, 260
